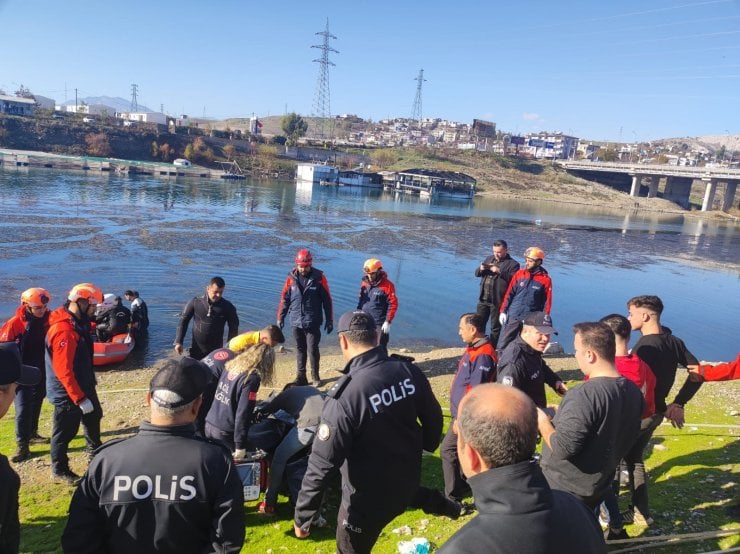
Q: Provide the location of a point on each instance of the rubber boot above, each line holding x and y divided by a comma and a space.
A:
21, 453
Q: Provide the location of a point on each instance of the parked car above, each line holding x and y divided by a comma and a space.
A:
88, 120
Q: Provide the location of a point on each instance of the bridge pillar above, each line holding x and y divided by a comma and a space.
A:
653, 187
635, 188
709, 195
678, 189
729, 201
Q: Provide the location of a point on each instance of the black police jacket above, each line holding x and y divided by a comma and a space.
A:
162, 490
521, 366
369, 430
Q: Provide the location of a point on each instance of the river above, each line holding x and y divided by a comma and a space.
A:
166, 238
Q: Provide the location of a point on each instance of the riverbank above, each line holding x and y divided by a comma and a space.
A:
692, 471
541, 182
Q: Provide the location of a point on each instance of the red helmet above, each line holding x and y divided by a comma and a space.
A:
535, 253
88, 291
303, 258
372, 265
35, 297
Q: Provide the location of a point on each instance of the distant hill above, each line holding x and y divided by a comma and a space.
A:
118, 103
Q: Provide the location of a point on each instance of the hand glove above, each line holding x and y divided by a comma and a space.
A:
503, 318
240, 453
86, 406
280, 323
386, 327
329, 327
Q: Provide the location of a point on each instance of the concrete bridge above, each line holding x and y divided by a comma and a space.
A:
678, 180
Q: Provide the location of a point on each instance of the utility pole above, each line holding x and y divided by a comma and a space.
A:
322, 98
416, 111
75, 100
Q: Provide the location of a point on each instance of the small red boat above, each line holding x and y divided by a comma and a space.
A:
114, 351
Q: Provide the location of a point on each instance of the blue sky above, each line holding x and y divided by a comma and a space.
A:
635, 70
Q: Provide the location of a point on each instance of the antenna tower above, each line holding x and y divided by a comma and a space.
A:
321, 102
416, 112
134, 103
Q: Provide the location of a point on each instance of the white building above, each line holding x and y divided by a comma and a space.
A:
89, 109
16, 105
143, 117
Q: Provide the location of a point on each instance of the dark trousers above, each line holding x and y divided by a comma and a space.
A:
508, 334
28, 400
66, 422
636, 465
490, 312
456, 487
357, 536
307, 348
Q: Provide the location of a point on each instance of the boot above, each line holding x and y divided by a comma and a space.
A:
300, 378
315, 381
21, 453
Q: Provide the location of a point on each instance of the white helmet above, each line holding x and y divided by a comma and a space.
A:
108, 303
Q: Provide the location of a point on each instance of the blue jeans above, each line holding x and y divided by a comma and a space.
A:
296, 440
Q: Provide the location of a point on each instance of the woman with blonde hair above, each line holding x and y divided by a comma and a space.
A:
230, 415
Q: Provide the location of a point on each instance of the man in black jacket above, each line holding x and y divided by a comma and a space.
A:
369, 430
210, 314
163, 490
517, 510
495, 272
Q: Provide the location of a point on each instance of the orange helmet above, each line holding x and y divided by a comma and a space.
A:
535, 253
35, 297
372, 265
303, 258
88, 291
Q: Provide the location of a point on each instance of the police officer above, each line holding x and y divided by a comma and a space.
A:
369, 431
163, 490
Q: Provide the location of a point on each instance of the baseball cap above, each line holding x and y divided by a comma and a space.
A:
12, 370
541, 321
356, 321
187, 379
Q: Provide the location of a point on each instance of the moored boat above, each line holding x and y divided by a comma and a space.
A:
112, 352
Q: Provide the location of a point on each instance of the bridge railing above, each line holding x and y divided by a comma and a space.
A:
655, 169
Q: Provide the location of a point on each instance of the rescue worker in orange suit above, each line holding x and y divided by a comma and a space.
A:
530, 290
27, 328
378, 298
70, 379
306, 300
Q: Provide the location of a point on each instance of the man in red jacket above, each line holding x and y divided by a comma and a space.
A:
378, 298
27, 328
70, 379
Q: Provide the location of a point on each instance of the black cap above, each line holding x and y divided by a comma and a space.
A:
541, 321
356, 321
12, 370
187, 379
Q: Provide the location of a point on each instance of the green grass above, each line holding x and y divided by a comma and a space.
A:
693, 476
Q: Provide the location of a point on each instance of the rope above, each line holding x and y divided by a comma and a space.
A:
665, 540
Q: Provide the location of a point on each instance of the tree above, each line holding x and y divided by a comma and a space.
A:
189, 152
229, 151
24, 92
155, 149
607, 155
383, 158
721, 153
98, 145
166, 152
294, 127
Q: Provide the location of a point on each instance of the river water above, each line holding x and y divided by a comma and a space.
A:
166, 238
